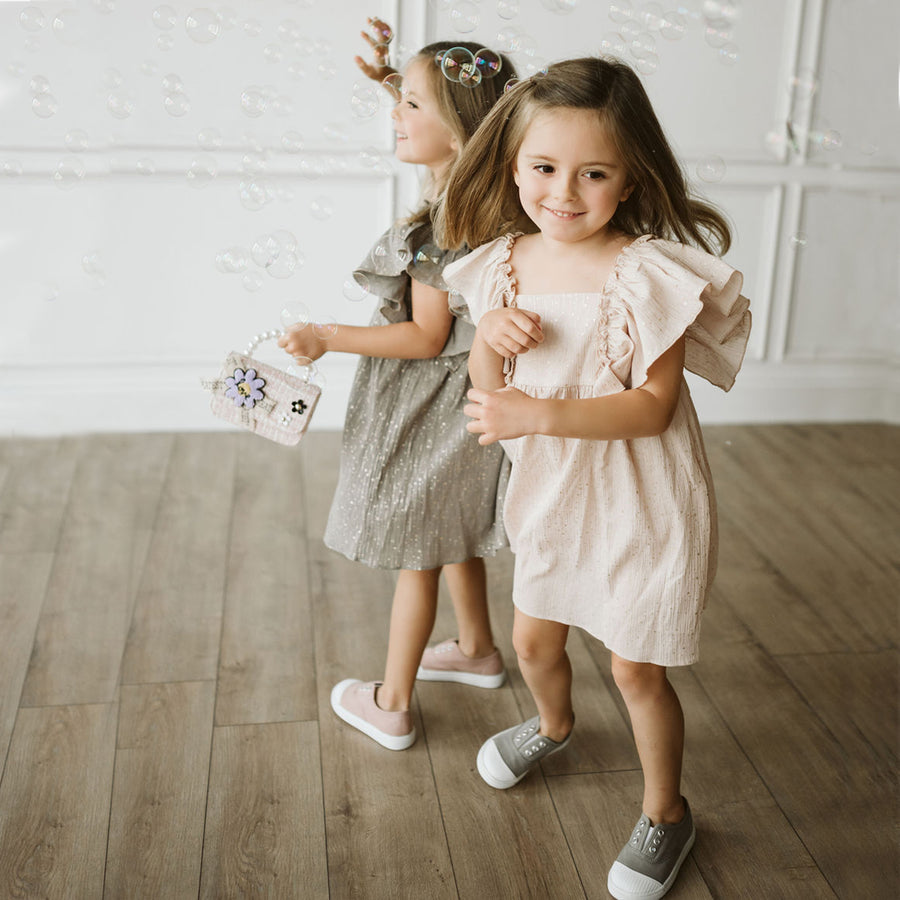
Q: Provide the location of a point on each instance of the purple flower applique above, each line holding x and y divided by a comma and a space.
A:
244, 388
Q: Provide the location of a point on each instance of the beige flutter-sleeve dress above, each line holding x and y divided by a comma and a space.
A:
617, 537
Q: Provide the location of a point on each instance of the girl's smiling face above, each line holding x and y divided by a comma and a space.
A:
422, 135
570, 177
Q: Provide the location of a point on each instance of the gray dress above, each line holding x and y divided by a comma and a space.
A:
415, 489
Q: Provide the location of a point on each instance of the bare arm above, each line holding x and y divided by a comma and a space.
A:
485, 365
639, 412
422, 338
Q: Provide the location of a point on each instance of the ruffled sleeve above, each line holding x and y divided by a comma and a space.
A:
669, 290
482, 280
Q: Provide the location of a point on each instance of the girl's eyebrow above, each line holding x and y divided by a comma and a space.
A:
550, 159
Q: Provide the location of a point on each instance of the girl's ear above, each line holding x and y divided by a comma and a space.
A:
627, 192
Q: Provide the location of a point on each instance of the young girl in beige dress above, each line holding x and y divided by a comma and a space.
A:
585, 325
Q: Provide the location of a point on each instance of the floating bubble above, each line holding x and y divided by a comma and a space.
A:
294, 315
265, 249
470, 76
728, 54
68, 26
646, 62
335, 132
281, 105
203, 171
16, 68
272, 53
803, 84
296, 70
507, 9
561, 7
164, 18
510, 84
10, 168
370, 157
464, 16
356, 289
165, 41
112, 78
252, 281
613, 44
393, 84
718, 33
253, 101
651, 16
364, 103
290, 31
453, 60
68, 173
39, 84
798, 240
327, 69
233, 260
642, 44
177, 104
172, 83
672, 26
428, 260
292, 141
831, 140
321, 208
252, 27
209, 139
254, 194
508, 40
44, 105
325, 329
145, 166
202, 25
149, 67
253, 163
92, 264
76, 140
621, 11
526, 44
105, 6
32, 18
381, 32
711, 169
488, 63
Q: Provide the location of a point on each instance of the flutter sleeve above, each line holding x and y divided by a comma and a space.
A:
482, 280
669, 290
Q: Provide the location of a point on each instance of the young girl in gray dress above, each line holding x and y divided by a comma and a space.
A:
416, 492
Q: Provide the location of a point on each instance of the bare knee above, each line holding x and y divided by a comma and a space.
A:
634, 679
537, 648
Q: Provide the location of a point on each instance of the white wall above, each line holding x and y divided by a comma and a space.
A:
112, 305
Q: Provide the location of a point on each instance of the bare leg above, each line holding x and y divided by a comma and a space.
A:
467, 582
541, 649
412, 618
658, 725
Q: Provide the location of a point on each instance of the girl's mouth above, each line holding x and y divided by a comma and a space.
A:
561, 213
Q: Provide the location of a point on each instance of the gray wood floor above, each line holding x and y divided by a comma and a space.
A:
171, 626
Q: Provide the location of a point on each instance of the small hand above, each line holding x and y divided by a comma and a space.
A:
499, 415
302, 341
510, 331
380, 68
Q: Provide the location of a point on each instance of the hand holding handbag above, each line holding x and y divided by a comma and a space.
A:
261, 398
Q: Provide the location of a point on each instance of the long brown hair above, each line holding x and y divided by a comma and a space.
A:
481, 200
462, 108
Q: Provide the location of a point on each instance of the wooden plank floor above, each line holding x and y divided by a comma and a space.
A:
171, 626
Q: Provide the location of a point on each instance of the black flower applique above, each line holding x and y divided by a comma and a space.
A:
299, 407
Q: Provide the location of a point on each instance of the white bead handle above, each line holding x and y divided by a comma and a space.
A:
257, 339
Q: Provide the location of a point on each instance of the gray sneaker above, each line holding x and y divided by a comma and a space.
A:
647, 866
507, 757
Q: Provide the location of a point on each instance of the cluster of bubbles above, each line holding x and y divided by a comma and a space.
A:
466, 68
465, 15
277, 254
92, 265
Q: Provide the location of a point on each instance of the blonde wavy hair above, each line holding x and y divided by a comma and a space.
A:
461, 108
481, 200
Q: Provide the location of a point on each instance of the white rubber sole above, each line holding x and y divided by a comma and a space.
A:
470, 678
626, 884
391, 741
495, 772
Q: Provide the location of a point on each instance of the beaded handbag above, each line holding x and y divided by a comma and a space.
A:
261, 398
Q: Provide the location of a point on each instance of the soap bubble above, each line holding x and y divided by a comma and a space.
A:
393, 85
646, 62
76, 140
613, 44
68, 26
253, 163
327, 69
39, 84
233, 260
621, 11
32, 18
253, 101
292, 141
209, 139
488, 63
356, 288
44, 105
68, 173
165, 41
507, 9
380, 32
177, 104
172, 83
464, 16
718, 33
453, 61
508, 39
798, 240
112, 78
561, 7
803, 84
672, 26
105, 6
164, 18
325, 329
10, 168
202, 25
711, 169
831, 140
294, 314
252, 27
252, 281
365, 102
203, 171
321, 208
149, 67
641, 44
728, 54
254, 194
272, 53
145, 166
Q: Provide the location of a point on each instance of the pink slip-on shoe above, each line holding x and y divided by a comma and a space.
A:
354, 701
446, 662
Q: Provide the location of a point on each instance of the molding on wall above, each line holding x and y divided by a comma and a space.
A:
43, 402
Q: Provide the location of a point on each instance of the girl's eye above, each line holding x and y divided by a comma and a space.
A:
596, 176
544, 168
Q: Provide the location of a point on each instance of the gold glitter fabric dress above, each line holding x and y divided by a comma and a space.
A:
617, 537
415, 489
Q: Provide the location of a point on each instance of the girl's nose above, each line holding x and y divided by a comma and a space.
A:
395, 112
564, 187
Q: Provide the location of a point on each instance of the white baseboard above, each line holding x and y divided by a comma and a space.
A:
54, 401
